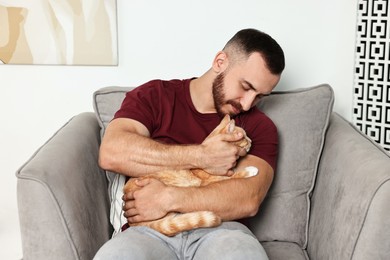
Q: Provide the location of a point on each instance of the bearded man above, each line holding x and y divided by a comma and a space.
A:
165, 125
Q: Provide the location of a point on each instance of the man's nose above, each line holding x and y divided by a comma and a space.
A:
247, 102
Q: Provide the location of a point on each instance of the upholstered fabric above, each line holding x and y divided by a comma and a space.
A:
63, 206
106, 102
302, 118
351, 197
284, 251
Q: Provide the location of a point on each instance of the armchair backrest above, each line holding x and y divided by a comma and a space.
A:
301, 117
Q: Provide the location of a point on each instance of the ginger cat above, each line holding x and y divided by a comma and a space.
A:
174, 223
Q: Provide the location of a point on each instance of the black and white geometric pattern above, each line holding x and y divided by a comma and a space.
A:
371, 106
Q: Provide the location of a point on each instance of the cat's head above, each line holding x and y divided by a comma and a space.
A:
228, 125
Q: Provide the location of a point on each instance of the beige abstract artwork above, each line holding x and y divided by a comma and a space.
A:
64, 32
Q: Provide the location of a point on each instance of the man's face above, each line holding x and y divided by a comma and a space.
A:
242, 85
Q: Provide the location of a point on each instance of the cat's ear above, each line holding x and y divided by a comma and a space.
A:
228, 124
225, 120
231, 126
222, 127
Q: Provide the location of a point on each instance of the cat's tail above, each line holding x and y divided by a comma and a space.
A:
175, 223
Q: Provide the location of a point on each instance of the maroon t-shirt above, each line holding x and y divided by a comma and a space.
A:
167, 111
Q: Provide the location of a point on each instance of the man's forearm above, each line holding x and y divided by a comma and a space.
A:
230, 199
128, 149
209, 198
136, 155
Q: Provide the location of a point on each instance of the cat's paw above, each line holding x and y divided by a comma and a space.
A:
251, 170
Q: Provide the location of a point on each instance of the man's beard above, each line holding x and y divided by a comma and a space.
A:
219, 96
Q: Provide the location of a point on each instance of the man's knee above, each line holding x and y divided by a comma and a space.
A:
133, 244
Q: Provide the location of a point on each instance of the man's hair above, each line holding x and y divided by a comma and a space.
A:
248, 41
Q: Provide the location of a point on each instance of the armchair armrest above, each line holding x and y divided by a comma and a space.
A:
350, 204
62, 195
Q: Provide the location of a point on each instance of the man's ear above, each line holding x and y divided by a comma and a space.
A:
220, 62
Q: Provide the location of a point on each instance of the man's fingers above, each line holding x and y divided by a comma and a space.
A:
232, 137
128, 205
230, 173
128, 196
142, 181
134, 219
130, 213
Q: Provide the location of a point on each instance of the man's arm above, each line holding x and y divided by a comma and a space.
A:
231, 199
127, 149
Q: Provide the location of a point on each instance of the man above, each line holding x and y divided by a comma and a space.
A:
165, 124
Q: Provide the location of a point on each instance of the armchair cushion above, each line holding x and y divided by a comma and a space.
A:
106, 102
302, 118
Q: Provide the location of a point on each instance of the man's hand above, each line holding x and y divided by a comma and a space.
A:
220, 154
147, 203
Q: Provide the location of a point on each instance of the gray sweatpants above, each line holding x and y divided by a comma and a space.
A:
230, 240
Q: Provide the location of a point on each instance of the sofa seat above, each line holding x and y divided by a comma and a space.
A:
284, 251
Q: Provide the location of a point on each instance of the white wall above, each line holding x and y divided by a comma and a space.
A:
168, 39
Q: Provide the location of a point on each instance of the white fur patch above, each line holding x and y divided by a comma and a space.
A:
252, 171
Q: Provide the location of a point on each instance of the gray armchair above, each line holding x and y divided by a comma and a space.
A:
329, 200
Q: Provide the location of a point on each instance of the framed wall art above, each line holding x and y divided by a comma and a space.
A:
66, 32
